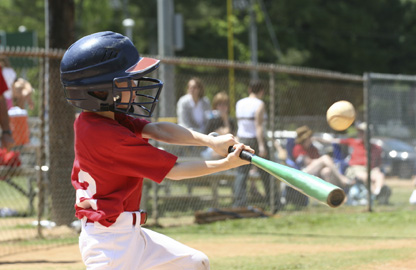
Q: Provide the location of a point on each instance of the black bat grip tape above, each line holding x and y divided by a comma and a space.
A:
243, 155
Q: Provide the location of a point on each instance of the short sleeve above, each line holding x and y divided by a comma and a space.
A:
298, 151
3, 85
141, 159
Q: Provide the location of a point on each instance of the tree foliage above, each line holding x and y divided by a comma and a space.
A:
349, 36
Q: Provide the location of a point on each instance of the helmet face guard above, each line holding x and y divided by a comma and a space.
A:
104, 72
137, 97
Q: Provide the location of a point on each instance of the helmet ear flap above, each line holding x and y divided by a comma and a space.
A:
102, 95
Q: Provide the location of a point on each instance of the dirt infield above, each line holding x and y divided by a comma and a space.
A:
68, 257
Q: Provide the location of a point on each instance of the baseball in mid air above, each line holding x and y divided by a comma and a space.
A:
340, 115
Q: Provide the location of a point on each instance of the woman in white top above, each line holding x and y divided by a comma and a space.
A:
251, 115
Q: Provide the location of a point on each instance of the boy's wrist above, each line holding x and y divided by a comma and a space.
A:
211, 140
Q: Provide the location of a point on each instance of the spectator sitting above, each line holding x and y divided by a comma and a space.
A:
219, 120
357, 168
307, 157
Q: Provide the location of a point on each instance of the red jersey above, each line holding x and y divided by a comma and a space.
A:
111, 160
359, 154
311, 152
3, 85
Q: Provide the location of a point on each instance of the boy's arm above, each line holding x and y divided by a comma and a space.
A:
175, 134
192, 169
322, 140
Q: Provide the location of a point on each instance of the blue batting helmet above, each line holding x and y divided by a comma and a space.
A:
97, 69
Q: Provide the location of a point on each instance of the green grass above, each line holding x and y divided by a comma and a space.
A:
347, 238
11, 198
363, 231
376, 224
316, 237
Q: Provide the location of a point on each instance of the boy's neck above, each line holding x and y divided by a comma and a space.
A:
108, 114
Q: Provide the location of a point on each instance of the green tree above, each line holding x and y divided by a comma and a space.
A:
349, 36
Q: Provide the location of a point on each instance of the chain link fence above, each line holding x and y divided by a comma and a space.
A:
294, 97
391, 112
37, 197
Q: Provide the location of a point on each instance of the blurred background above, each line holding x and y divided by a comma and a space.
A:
308, 54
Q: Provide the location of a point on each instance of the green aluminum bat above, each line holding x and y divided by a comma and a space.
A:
308, 184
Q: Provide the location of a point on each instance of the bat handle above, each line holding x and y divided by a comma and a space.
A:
243, 155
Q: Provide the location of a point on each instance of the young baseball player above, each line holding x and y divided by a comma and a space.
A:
103, 74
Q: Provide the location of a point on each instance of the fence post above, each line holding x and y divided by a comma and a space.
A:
273, 189
367, 89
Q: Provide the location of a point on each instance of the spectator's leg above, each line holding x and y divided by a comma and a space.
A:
314, 167
266, 180
240, 186
326, 174
377, 180
337, 178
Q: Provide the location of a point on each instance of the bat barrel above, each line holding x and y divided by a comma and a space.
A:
309, 185
336, 198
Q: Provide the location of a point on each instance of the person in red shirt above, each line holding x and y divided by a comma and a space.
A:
309, 160
357, 166
104, 75
6, 133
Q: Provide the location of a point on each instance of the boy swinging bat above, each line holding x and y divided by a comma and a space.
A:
104, 75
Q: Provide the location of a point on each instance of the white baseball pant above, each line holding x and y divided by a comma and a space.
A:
123, 246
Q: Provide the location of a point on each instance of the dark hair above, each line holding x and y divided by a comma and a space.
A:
256, 87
